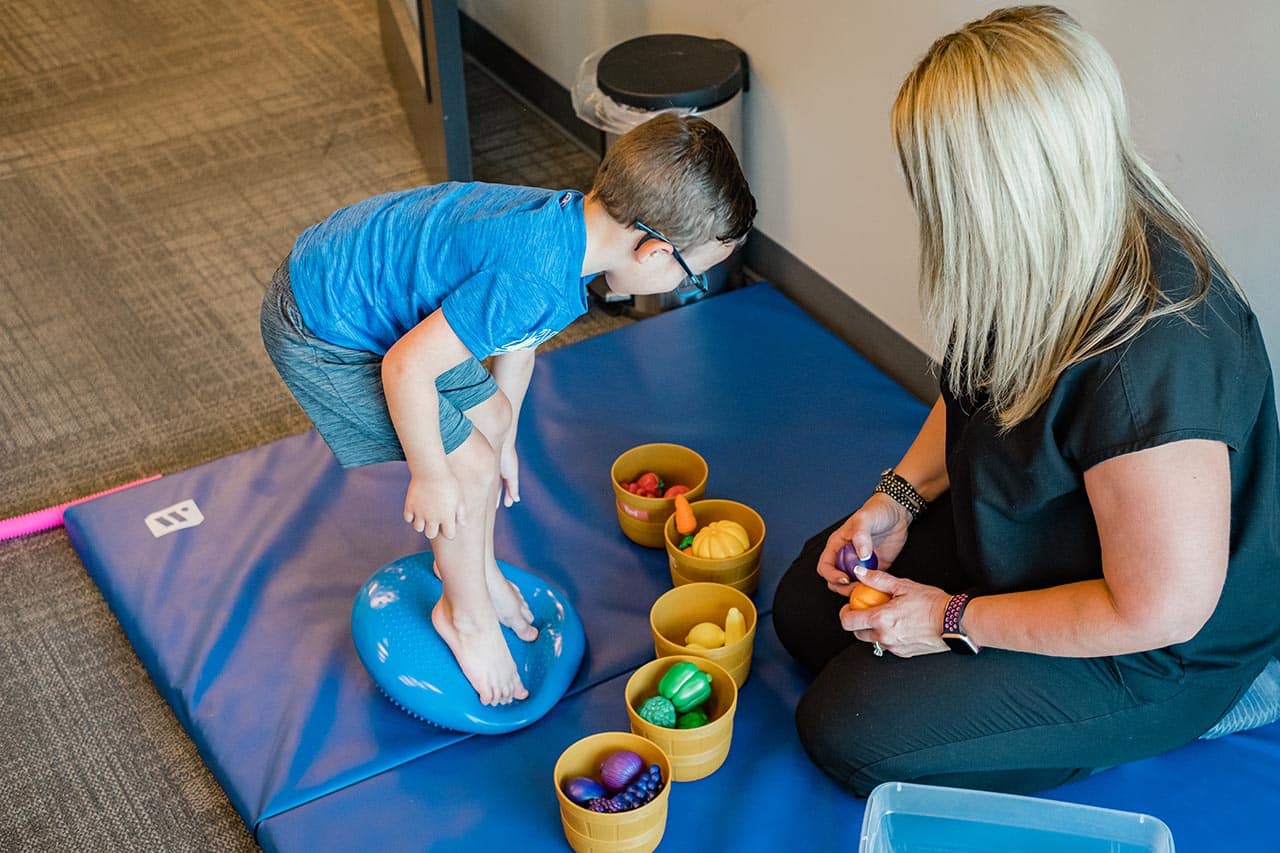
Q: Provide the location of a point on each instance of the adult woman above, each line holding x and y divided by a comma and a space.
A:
1100, 472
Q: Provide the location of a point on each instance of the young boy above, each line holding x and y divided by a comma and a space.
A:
379, 316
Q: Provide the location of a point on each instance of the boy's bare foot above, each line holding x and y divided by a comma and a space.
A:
482, 654
510, 605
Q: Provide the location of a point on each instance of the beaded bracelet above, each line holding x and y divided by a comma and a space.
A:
896, 486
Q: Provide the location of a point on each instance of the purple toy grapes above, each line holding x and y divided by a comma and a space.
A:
642, 790
847, 560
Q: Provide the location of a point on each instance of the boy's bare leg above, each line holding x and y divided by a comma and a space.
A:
493, 418
465, 616
507, 600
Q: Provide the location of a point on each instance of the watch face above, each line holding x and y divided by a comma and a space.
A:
960, 644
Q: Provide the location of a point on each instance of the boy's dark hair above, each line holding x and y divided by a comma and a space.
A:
679, 175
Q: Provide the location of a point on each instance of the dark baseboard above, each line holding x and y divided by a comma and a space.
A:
528, 81
896, 356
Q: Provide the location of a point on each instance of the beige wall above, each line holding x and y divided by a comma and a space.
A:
1203, 82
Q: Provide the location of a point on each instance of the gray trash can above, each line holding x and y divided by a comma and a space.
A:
627, 84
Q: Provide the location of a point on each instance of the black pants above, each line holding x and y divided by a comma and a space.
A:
1001, 721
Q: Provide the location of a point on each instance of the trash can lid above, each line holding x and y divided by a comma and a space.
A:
661, 71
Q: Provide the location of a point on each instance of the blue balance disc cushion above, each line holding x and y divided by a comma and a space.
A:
412, 665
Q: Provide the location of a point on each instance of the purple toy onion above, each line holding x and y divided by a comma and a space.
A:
847, 560
617, 771
583, 788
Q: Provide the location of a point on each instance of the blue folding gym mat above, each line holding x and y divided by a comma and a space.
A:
1214, 795
766, 796
242, 620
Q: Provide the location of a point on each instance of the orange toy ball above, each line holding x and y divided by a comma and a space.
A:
864, 597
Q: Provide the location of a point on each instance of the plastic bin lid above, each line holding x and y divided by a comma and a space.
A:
660, 71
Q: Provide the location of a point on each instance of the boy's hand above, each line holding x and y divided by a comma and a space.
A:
509, 471
434, 506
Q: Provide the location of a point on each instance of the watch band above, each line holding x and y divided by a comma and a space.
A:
952, 634
897, 487
955, 611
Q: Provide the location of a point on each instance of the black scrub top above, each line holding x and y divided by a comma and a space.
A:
1023, 519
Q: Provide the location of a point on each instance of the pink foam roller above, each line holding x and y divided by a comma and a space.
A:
51, 517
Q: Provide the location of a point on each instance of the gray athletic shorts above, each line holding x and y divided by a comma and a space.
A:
340, 389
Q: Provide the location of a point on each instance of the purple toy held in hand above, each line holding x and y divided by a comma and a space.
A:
847, 560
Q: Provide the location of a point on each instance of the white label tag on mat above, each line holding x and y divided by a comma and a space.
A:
180, 516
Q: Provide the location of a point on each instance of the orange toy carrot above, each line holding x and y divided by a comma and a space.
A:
686, 522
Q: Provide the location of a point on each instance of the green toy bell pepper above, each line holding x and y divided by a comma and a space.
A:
685, 685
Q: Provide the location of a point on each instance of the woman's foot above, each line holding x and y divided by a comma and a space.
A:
510, 605
481, 653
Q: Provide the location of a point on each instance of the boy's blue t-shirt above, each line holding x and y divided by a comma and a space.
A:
504, 263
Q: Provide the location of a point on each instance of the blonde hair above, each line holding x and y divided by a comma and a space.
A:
1034, 206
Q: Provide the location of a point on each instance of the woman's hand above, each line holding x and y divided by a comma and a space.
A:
880, 525
433, 505
909, 624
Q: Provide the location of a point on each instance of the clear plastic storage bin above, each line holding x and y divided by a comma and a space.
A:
906, 818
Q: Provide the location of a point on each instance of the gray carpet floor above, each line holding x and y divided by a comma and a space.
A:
157, 160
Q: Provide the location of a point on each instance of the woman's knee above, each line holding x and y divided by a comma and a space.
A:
806, 616
831, 734
790, 613
860, 743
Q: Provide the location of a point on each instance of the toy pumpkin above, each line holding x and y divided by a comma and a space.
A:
720, 539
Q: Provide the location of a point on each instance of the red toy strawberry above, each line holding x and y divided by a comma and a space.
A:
649, 480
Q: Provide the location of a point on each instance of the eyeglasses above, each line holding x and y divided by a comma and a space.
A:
692, 283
